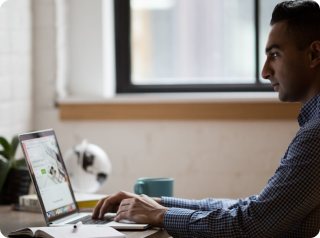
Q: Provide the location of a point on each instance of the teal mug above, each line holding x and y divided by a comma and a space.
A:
154, 187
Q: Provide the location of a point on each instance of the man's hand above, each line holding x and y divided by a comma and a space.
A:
111, 203
141, 209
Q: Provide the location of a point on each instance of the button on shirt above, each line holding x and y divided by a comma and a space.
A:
289, 205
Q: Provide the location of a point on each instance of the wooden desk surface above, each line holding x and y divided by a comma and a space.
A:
14, 220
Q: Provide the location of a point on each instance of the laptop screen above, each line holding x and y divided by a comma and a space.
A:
49, 174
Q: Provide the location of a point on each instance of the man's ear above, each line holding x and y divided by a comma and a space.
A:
315, 54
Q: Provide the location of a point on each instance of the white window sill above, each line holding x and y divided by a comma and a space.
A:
251, 97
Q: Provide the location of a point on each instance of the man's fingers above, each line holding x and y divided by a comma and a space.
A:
121, 215
105, 207
96, 209
111, 203
126, 201
124, 205
123, 208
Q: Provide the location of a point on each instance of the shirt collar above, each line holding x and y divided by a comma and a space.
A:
310, 110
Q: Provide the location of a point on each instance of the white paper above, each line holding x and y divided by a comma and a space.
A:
89, 231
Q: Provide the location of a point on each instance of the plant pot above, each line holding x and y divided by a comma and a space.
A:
16, 185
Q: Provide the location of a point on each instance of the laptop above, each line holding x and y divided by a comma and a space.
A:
53, 186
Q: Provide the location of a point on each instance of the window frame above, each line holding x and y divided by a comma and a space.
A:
122, 18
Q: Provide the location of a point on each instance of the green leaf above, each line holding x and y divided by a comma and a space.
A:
5, 144
21, 162
5, 154
14, 144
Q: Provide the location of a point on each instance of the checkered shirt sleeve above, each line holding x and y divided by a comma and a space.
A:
289, 205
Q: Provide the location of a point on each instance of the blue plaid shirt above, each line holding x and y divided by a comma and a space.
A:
289, 205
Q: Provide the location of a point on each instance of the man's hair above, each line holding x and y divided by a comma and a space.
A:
303, 20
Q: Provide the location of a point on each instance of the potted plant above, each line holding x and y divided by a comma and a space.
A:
14, 175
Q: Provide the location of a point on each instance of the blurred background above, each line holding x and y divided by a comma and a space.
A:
53, 51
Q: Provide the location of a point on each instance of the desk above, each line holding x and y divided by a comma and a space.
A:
14, 220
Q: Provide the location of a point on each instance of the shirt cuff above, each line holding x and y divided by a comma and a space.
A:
167, 201
179, 203
176, 221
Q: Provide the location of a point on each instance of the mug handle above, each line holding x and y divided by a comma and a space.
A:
140, 188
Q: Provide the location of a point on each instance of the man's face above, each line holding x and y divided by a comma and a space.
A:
286, 67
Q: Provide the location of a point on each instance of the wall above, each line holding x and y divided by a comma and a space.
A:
16, 93
85, 58
206, 158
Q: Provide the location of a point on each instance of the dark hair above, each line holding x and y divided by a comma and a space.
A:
303, 20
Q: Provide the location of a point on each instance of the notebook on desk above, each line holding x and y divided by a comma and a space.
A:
53, 187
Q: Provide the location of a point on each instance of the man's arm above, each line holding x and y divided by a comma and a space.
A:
207, 204
143, 209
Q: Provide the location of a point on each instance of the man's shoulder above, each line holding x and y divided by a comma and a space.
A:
309, 130
306, 141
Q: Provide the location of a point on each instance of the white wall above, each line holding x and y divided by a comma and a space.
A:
85, 58
16, 90
206, 158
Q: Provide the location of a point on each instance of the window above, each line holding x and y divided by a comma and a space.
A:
191, 45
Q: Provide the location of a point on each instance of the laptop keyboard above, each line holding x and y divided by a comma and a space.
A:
90, 221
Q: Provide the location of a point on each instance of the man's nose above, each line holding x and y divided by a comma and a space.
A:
267, 71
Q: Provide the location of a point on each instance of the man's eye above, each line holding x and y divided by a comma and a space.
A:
274, 54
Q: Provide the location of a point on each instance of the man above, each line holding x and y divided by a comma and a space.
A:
289, 205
